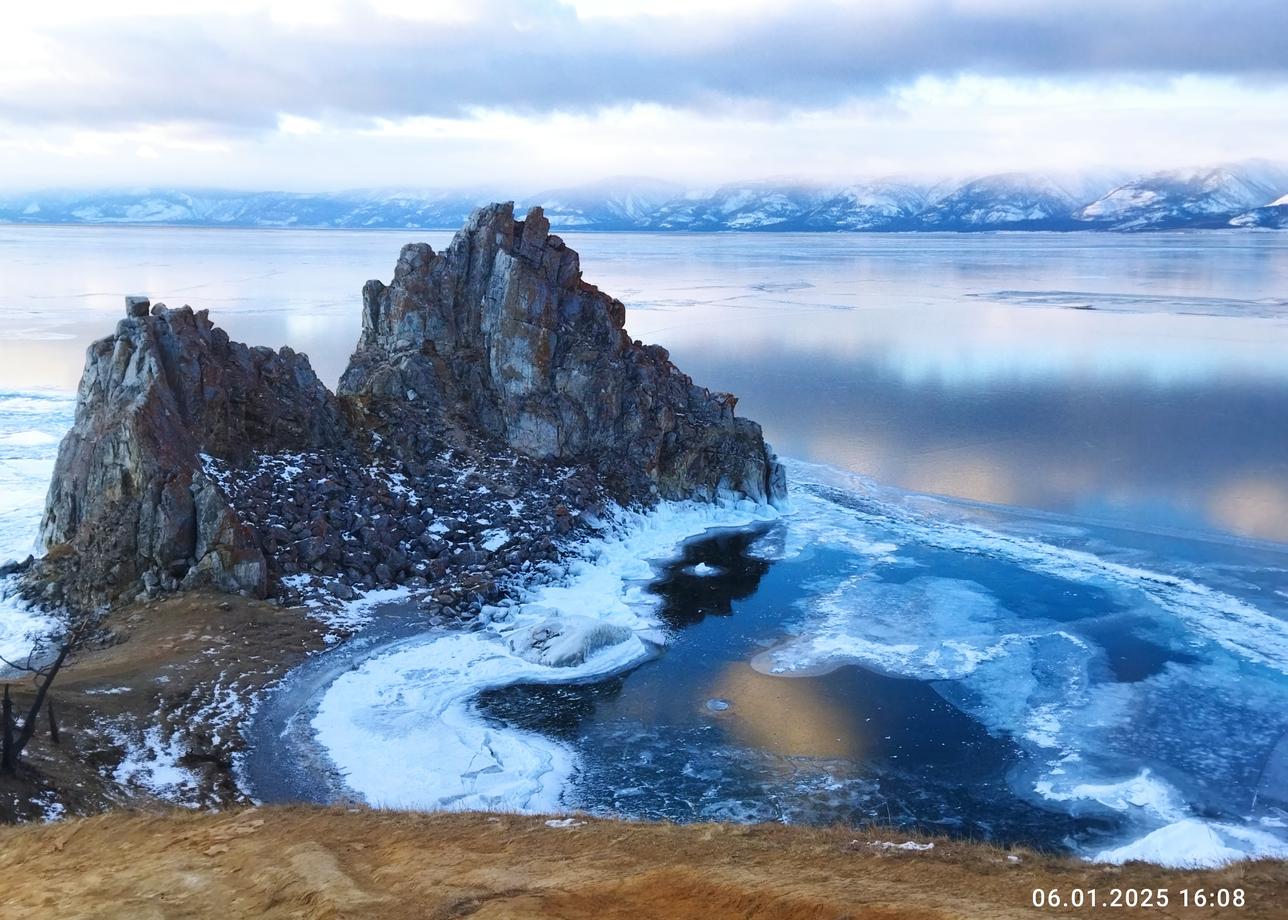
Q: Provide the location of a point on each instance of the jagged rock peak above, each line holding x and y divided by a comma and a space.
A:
130, 501
500, 334
172, 474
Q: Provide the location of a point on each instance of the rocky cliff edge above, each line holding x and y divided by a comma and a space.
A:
496, 343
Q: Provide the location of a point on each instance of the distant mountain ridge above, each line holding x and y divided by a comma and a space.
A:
1246, 195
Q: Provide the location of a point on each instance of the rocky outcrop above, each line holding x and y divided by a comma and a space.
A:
130, 502
487, 372
501, 334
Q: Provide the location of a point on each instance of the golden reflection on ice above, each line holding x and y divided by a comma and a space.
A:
1252, 506
785, 715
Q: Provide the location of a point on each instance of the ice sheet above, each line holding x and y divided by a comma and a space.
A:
402, 729
31, 426
1207, 718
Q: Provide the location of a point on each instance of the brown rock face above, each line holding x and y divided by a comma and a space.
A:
129, 493
500, 333
498, 338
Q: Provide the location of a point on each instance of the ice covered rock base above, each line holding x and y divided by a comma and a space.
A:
493, 397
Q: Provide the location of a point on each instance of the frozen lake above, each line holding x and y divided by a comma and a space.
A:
957, 365
1034, 586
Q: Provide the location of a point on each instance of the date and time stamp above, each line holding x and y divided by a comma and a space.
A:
1057, 899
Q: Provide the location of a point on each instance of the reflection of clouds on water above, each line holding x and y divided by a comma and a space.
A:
927, 379
1253, 505
786, 717
1143, 455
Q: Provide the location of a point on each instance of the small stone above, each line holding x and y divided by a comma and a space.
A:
137, 305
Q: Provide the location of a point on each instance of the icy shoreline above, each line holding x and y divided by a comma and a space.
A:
571, 623
415, 704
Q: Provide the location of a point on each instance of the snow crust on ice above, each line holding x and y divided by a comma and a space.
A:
1239, 627
1089, 742
1140, 791
956, 627
1192, 844
414, 704
20, 625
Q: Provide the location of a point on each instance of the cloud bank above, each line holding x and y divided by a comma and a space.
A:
237, 74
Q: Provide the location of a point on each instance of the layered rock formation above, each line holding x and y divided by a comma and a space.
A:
501, 333
129, 494
196, 460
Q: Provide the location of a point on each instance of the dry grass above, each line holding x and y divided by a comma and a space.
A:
329, 863
165, 661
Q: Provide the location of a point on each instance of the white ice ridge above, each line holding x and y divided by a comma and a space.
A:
402, 728
20, 625
1194, 844
1240, 628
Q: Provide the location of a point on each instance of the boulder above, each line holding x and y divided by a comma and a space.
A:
566, 641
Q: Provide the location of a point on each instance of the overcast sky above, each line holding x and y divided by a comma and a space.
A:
517, 95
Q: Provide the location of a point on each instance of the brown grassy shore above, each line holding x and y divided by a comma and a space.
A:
186, 665
330, 863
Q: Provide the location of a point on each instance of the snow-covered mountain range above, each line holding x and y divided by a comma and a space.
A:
1245, 195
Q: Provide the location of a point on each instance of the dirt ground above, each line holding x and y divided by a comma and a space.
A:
183, 666
328, 863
